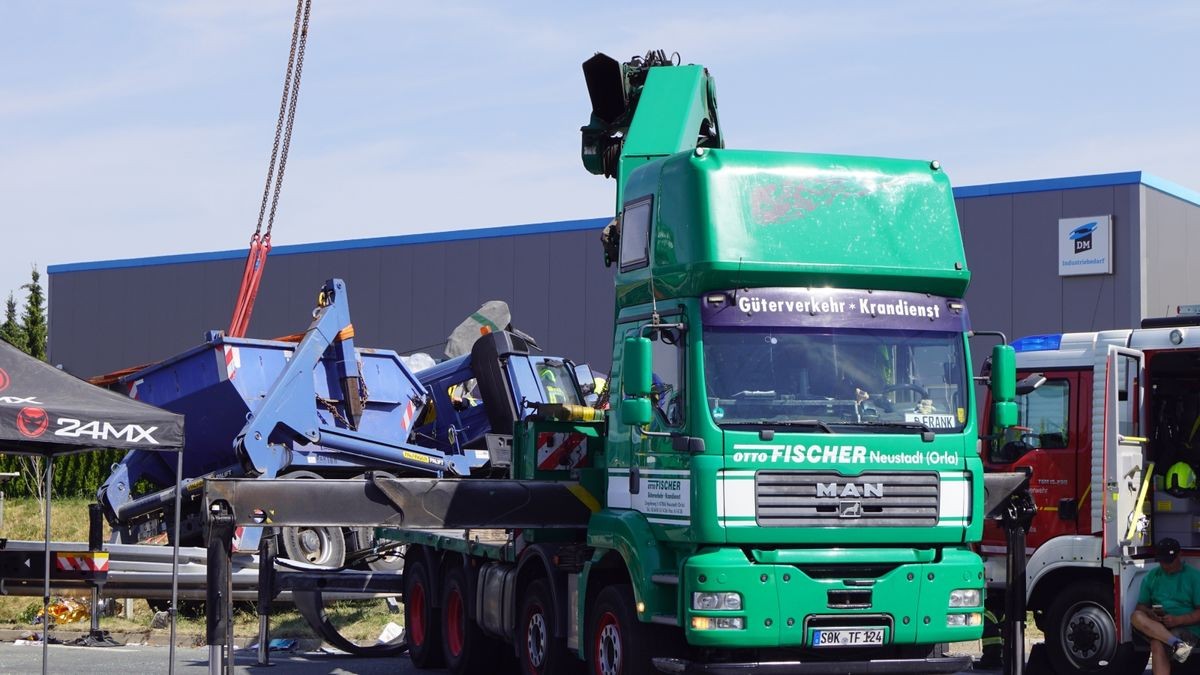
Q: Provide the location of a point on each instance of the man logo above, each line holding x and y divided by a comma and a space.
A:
833, 490
850, 510
3, 380
32, 422
1082, 236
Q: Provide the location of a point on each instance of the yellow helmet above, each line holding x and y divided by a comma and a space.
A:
1180, 479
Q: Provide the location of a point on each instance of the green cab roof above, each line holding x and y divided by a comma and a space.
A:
725, 218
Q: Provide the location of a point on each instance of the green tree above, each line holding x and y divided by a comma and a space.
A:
11, 331
75, 476
34, 319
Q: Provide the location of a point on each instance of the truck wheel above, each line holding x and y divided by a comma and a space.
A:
466, 648
363, 538
1081, 635
423, 625
614, 646
324, 546
542, 653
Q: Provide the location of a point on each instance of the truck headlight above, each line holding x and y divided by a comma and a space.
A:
960, 620
966, 597
708, 602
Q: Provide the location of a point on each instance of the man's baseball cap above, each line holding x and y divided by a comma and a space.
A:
1166, 550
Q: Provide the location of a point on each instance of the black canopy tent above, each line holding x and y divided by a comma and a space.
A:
47, 412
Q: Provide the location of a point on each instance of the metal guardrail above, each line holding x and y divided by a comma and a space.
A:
139, 571
135, 571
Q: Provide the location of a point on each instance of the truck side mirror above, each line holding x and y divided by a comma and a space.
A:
636, 372
1030, 383
636, 411
1003, 383
586, 378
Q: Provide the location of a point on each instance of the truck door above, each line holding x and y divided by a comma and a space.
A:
1055, 442
1122, 461
646, 472
665, 495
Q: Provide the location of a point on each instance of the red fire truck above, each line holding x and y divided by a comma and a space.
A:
1110, 425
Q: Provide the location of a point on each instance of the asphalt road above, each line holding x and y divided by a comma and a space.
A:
128, 660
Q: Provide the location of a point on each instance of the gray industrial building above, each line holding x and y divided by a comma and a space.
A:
1065, 254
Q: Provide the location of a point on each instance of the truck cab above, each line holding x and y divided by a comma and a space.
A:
1114, 412
793, 419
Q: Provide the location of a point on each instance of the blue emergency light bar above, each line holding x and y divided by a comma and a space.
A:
1038, 343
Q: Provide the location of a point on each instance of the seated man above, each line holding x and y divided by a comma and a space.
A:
1168, 608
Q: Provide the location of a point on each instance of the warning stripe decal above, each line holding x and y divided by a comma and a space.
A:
560, 450
85, 561
409, 411
233, 360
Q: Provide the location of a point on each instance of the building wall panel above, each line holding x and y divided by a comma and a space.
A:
402, 297
408, 295
1172, 252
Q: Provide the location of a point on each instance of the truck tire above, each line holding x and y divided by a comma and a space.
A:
423, 624
540, 652
362, 538
1081, 635
324, 546
466, 648
614, 646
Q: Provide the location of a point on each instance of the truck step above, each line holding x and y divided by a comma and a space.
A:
665, 579
665, 619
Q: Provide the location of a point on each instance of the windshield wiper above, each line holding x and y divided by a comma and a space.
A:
799, 423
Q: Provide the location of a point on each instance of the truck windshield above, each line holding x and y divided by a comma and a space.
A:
826, 378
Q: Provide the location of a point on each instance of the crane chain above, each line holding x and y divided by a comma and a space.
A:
287, 116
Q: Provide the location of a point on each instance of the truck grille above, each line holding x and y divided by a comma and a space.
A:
873, 499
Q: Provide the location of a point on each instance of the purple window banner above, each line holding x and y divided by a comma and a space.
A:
834, 308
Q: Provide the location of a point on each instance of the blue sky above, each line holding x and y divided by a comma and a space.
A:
131, 129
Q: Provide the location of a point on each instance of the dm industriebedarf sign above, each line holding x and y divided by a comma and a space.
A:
1084, 246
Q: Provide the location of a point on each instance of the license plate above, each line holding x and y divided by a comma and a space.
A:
847, 637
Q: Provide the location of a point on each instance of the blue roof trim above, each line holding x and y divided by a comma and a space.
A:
343, 245
1047, 184
964, 192
1073, 182
1173, 189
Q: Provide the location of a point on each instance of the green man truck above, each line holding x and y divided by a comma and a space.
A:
783, 474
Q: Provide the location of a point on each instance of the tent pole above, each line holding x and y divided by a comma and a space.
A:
175, 557
46, 570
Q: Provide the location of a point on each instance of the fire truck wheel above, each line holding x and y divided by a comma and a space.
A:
423, 623
540, 652
1081, 636
613, 647
465, 647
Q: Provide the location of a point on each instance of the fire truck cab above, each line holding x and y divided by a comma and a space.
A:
1104, 418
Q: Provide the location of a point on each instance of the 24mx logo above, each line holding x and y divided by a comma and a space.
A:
104, 431
20, 400
32, 422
